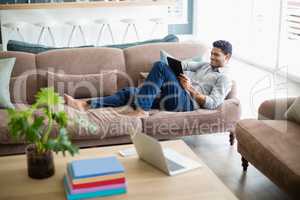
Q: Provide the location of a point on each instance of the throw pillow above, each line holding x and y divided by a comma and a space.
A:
84, 86
6, 67
14, 45
293, 113
168, 38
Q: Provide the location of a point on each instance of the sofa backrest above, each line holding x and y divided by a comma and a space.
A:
128, 62
141, 58
80, 61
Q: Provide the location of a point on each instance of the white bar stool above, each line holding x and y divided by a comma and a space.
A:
104, 23
15, 26
157, 22
76, 25
46, 26
130, 22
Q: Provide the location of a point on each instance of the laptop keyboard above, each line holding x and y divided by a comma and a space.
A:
173, 166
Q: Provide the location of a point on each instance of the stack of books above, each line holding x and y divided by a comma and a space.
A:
92, 178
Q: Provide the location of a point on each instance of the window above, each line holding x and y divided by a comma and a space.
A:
290, 37
252, 26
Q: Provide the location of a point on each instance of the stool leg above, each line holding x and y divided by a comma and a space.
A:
40, 35
125, 33
100, 34
136, 32
51, 35
111, 33
21, 36
231, 138
244, 164
82, 35
71, 35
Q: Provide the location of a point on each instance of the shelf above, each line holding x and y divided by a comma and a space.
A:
93, 4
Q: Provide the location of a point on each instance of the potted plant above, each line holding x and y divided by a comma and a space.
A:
35, 125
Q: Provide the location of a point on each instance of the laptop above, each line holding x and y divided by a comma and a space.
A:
175, 65
165, 159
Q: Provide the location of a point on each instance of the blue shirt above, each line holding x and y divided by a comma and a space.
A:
209, 81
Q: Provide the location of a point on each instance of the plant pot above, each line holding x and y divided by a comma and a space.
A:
39, 166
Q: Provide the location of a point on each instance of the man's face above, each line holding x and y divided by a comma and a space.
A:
218, 58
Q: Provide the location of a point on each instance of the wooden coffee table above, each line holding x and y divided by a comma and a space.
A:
144, 181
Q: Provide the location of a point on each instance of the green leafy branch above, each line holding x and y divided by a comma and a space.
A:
36, 123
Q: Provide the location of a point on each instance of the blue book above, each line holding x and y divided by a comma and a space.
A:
96, 167
103, 193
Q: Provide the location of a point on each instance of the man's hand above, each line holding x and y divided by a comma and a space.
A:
185, 82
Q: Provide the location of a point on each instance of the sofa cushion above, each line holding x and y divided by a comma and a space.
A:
183, 123
98, 124
274, 147
23, 89
84, 86
101, 123
82, 61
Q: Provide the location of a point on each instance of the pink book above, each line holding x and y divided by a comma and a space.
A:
94, 189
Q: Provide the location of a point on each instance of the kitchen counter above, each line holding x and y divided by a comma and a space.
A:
91, 4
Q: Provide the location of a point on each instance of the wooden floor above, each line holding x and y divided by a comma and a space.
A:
225, 162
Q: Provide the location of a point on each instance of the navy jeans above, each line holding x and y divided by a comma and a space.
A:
161, 90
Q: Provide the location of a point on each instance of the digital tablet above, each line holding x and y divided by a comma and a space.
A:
175, 65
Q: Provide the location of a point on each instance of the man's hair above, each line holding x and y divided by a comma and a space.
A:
224, 45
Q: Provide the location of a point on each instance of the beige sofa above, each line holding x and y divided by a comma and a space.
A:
272, 145
131, 61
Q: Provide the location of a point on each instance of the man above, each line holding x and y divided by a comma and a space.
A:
202, 85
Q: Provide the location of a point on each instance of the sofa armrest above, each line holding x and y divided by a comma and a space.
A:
231, 111
235, 101
274, 109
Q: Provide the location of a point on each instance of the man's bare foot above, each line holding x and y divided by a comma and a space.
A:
77, 104
138, 113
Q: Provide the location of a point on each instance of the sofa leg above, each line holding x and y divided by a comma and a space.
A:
231, 138
244, 164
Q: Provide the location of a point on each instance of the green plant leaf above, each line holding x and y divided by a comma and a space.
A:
18, 122
35, 123
32, 134
62, 143
61, 118
38, 126
48, 97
